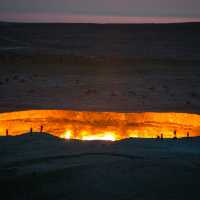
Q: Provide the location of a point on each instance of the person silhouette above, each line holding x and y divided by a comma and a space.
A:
41, 128
175, 135
31, 130
7, 132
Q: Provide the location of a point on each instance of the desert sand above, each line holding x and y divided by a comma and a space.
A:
163, 87
128, 68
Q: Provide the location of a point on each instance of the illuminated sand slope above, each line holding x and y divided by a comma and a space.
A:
100, 125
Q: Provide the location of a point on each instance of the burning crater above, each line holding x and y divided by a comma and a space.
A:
100, 125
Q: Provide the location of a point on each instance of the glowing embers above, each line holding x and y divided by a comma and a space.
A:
100, 125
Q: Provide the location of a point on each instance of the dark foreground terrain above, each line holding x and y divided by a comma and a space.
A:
40, 166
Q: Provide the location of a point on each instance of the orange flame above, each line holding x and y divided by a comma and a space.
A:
100, 125
110, 136
66, 135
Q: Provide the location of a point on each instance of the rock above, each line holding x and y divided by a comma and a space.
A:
31, 91
15, 77
194, 95
90, 91
188, 102
22, 80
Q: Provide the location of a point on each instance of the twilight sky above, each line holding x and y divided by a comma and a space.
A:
57, 9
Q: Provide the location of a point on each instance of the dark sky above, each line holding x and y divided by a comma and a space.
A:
145, 8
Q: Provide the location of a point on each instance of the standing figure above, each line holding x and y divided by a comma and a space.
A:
161, 136
188, 134
41, 128
31, 130
6, 132
175, 135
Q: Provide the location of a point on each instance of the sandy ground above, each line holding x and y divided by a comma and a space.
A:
42, 167
133, 87
100, 67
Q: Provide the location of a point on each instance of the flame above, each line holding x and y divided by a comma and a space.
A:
66, 135
109, 136
100, 125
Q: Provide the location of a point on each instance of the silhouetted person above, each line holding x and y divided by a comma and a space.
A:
6, 132
161, 136
175, 135
188, 134
158, 137
41, 129
31, 130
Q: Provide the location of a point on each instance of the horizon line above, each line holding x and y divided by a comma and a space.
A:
95, 19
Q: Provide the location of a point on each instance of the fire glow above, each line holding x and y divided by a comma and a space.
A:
100, 125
